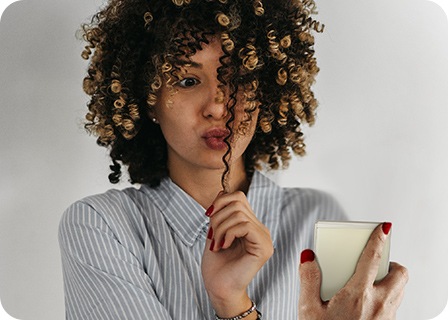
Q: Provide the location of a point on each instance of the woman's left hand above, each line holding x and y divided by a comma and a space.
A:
237, 247
362, 297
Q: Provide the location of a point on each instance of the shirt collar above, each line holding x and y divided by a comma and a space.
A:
187, 217
265, 198
182, 213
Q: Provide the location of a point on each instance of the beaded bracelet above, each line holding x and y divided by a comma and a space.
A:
244, 314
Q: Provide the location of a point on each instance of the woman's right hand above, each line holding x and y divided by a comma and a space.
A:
362, 297
238, 246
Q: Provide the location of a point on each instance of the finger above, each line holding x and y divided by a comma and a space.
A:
240, 230
387, 303
391, 290
222, 229
230, 209
369, 262
210, 242
233, 208
211, 209
225, 199
397, 278
239, 225
310, 282
234, 213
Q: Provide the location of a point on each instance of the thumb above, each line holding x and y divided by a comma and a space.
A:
310, 281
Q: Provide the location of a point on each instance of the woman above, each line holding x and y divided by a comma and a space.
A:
193, 96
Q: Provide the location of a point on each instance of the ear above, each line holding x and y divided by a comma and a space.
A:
152, 115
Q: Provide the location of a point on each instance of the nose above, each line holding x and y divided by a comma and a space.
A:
215, 105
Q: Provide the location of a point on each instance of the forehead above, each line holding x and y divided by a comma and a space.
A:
209, 51
209, 54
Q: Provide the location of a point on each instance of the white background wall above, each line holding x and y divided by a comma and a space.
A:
380, 144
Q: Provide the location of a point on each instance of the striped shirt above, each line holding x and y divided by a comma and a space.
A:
136, 253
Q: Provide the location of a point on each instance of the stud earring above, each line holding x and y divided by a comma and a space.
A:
155, 121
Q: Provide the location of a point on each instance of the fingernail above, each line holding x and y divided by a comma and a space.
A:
212, 245
222, 242
209, 211
210, 233
386, 227
306, 256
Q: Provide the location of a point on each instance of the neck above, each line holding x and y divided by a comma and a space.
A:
204, 185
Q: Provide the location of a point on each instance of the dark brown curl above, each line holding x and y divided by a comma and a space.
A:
136, 45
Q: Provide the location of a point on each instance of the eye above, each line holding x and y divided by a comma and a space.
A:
188, 82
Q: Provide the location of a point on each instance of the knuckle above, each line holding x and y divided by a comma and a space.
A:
357, 286
380, 239
404, 273
311, 276
269, 251
305, 310
354, 293
240, 215
240, 195
373, 254
379, 310
397, 270
360, 300
309, 311
217, 232
246, 224
384, 308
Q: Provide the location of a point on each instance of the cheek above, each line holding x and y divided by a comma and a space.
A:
172, 128
177, 127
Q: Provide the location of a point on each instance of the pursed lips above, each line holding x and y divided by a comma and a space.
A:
214, 138
216, 133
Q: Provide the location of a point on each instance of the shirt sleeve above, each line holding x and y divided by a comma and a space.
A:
102, 278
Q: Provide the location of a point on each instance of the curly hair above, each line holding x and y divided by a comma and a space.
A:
135, 45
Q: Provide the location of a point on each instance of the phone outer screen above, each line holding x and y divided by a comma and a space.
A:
338, 246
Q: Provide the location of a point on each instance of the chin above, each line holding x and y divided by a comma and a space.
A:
219, 166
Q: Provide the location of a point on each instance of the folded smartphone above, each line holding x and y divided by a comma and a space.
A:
338, 246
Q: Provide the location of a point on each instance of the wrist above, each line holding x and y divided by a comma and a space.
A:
231, 306
250, 314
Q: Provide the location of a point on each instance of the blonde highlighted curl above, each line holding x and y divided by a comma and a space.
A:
136, 45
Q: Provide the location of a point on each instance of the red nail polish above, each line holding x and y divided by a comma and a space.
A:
306, 256
222, 242
209, 211
386, 227
210, 233
212, 245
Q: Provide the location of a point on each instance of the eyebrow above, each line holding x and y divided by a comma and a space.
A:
192, 64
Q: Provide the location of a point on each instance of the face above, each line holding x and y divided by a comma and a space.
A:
193, 120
